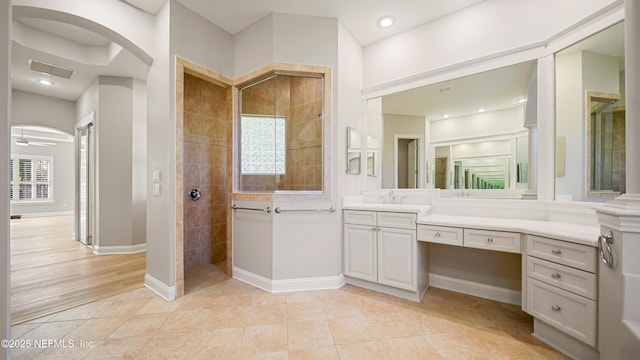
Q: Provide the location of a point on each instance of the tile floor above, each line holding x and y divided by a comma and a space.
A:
221, 318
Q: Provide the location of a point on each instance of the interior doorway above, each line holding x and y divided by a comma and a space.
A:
407, 162
84, 185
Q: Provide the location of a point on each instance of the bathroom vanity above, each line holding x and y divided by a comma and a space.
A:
386, 248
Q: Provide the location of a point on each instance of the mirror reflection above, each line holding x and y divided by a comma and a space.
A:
354, 150
590, 118
465, 133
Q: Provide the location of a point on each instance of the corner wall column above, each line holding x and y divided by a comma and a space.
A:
546, 128
619, 285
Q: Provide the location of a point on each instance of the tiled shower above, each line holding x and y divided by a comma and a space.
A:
205, 166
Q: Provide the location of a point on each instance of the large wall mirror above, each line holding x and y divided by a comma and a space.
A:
590, 118
465, 133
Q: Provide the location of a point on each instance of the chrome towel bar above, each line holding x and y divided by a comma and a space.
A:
236, 207
278, 210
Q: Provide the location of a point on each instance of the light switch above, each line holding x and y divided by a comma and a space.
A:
156, 189
156, 176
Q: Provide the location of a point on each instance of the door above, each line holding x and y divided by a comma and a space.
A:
84, 188
360, 252
412, 164
396, 258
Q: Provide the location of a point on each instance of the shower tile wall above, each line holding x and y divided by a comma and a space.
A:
205, 114
299, 101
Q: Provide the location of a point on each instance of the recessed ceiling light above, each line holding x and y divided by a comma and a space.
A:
481, 110
445, 116
522, 100
45, 82
386, 21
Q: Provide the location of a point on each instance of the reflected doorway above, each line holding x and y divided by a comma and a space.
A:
84, 181
407, 163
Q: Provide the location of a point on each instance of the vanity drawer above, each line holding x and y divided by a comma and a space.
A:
493, 240
577, 281
440, 234
570, 313
359, 217
397, 220
581, 257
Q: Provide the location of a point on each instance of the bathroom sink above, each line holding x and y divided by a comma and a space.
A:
412, 208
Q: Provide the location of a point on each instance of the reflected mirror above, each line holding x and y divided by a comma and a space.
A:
372, 156
354, 150
590, 118
470, 132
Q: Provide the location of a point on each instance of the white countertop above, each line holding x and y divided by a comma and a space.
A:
576, 233
405, 208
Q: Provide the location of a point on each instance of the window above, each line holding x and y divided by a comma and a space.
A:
262, 145
30, 178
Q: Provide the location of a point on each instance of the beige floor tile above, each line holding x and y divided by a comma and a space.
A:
141, 293
61, 353
265, 338
121, 307
340, 309
21, 329
232, 300
183, 321
352, 330
267, 314
52, 330
269, 299
87, 311
411, 348
219, 341
432, 323
366, 350
121, 348
97, 329
141, 325
198, 302
160, 305
372, 306
392, 325
167, 346
302, 296
322, 353
457, 346
309, 334
301, 311
229, 317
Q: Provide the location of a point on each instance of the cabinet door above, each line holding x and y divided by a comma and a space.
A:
396, 258
360, 252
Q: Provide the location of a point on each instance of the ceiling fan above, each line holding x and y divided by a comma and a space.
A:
22, 141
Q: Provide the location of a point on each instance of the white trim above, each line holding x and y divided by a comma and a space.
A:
119, 249
166, 292
45, 214
288, 285
476, 289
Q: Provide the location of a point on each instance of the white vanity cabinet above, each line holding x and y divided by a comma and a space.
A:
381, 247
562, 286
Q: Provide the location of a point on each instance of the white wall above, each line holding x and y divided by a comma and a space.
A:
63, 179
373, 127
34, 109
5, 138
253, 47
476, 126
472, 34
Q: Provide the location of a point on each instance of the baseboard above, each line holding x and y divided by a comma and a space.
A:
476, 289
46, 214
120, 249
166, 292
288, 285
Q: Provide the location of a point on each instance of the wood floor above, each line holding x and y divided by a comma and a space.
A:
51, 272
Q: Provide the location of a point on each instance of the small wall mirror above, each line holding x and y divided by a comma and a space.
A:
590, 118
354, 150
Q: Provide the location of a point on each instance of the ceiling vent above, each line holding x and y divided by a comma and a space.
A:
50, 69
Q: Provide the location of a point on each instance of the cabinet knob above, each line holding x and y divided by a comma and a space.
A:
556, 252
555, 276
373, 228
438, 234
556, 308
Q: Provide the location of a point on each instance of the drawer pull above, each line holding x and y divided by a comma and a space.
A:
556, 252
555, 276
556, 308
489, 240
438, 234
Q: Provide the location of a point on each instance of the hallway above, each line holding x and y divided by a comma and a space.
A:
51, 272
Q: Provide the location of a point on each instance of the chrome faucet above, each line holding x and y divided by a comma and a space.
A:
392, 197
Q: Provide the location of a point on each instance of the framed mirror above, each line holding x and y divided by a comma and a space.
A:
354, 150
590, 118
472, 132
